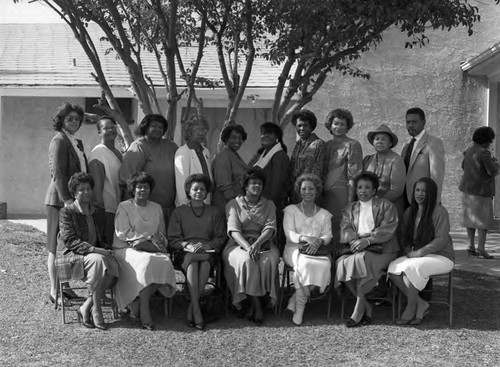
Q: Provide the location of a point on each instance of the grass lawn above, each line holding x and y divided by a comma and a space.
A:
32, 334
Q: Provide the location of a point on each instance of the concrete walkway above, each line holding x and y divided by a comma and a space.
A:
460, 244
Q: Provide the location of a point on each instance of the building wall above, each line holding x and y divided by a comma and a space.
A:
429, 78
26, 132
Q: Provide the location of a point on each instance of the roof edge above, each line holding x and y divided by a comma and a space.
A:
482, 57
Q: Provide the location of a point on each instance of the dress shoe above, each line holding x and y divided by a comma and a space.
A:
70, 293
418, 321
352, 323
88, 324
200, 326
102, 326
482, 254
366, 320
401, 322
149, 327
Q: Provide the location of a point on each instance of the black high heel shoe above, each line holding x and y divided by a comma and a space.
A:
484, 255
471, 251
89, 324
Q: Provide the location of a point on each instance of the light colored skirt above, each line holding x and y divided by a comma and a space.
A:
307, 270
419, 269
477, 212
246, 277
138, 269
366, 266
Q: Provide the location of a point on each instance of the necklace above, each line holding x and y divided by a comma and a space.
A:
194, 211
304, 211
145, 215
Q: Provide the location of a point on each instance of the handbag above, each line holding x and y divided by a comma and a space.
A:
146, 246
322, 250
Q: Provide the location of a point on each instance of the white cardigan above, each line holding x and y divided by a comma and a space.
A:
186, 164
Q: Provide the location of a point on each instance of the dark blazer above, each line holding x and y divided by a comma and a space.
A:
480, 169
74, 231
427, 161
63, 163
386, 222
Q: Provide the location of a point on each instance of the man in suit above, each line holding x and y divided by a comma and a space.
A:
423, 153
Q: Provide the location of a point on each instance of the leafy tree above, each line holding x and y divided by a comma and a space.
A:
310, 39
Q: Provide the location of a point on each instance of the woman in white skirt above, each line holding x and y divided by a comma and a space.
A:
308, 233
428, 247
140, 245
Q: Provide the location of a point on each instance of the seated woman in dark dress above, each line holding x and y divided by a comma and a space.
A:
81, 253
196, 233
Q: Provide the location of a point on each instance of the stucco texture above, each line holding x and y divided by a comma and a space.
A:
26, 133
428, 77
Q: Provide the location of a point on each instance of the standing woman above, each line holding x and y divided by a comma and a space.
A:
274, 161
367, 222
478, 188
104, 166
388, 166
192, 157
308, 155
344, 158
307, 230
196, 234
152, 154
250, 257
228, 166
428, 249
66, 157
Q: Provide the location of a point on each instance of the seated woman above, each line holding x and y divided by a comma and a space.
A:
140, 245
251, 257
81, 252
428, 247
196, 233
368, 227
307, 229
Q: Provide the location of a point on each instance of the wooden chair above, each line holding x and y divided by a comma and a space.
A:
286, 284
61, 279
446, 300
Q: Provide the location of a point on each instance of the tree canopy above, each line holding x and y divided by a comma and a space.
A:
307, 39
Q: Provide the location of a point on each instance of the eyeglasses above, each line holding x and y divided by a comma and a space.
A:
72, 118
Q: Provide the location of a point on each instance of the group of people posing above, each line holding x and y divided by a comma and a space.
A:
129, 221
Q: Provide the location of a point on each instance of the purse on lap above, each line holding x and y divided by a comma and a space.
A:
322, 250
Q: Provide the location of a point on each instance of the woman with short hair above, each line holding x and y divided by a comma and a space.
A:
104, 166
308, 233
368, 230
192, 157
196, 234
343, 162
478, 188
272, 157
141, 250
250, 257
82, 252
66, 157
308, 155
152, 154
228, 166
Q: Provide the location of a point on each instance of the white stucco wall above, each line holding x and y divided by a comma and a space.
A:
26, 132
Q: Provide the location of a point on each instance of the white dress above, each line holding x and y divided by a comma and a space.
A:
138, 269
308, 270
